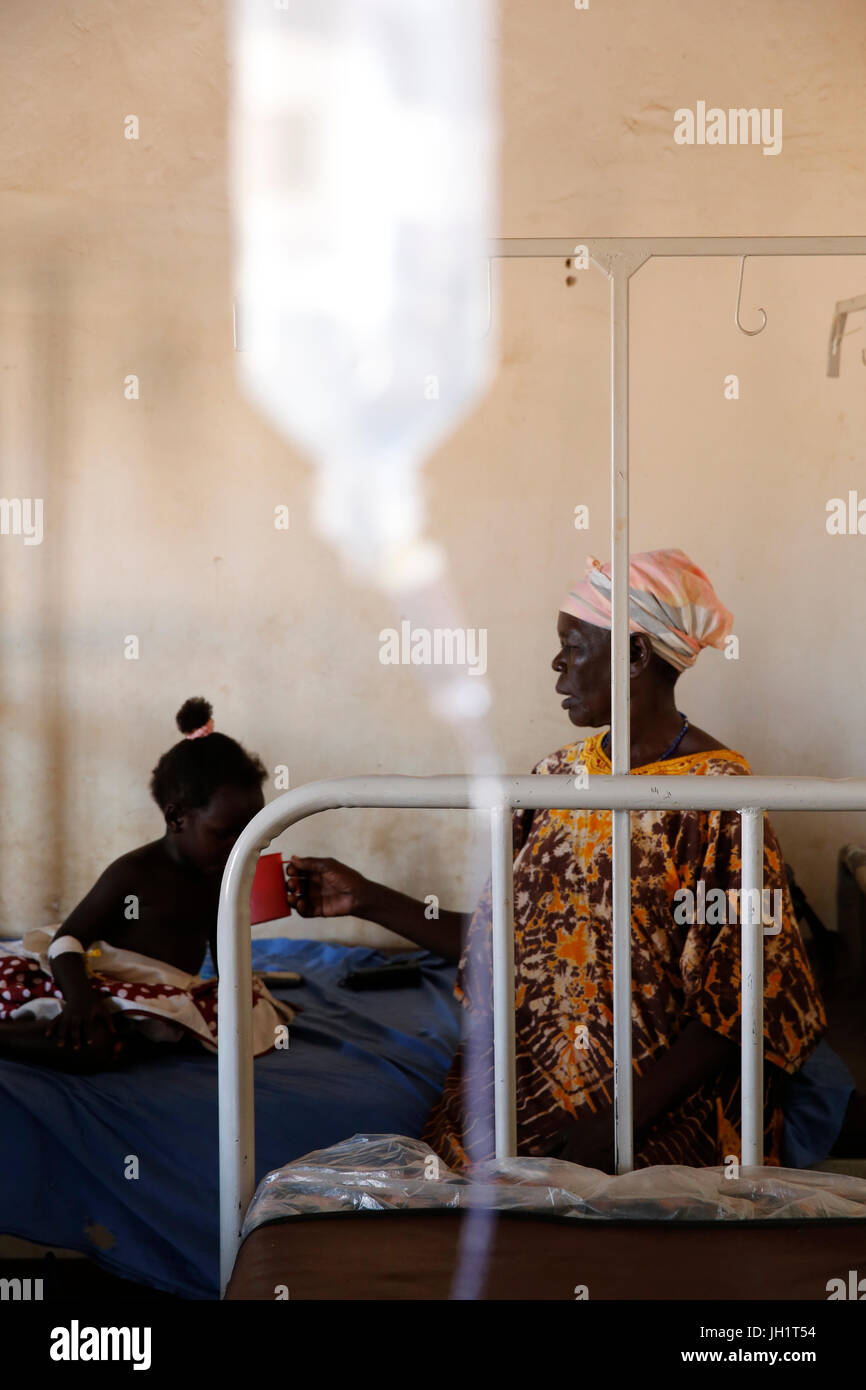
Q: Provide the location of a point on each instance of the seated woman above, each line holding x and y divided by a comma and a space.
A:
120, 978
685, 974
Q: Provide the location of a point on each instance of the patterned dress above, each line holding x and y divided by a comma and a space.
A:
680, 972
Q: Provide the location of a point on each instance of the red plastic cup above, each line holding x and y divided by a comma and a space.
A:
268, 899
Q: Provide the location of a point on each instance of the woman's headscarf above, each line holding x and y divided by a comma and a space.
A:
670, 600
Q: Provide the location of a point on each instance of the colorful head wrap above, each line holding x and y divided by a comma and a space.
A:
670, 600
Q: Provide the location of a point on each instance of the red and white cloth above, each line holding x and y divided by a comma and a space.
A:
164, 1002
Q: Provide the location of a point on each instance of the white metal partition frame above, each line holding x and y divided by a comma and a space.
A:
748, 796
619, 258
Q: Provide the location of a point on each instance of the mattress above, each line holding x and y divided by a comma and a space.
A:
387, 1206
397, 1255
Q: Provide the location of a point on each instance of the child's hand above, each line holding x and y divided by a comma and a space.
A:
81, 1022
324, 888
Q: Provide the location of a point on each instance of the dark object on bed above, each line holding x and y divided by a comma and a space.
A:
281, 979
412, 1255
402, 974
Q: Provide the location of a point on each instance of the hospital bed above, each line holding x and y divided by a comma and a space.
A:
368, 1208
411, 1249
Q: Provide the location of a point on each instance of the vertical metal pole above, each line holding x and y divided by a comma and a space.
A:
504, 1071
620, 724
752, 986
237, 1164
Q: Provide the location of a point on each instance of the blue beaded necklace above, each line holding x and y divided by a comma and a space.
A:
672, 749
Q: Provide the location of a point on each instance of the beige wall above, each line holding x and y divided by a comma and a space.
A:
115, 259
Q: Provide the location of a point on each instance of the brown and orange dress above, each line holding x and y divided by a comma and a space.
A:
680, 972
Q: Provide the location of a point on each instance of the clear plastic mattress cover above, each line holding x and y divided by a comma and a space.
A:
388, 1172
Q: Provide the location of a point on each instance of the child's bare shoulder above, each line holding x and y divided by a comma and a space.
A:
102, 908
132, 865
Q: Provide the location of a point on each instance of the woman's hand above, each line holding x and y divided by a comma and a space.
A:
588, 1142
82, 1022
325, 888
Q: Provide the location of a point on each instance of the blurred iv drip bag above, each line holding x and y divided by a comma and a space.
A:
363, 178
363, 157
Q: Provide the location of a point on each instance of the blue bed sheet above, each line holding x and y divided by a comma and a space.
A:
357, 1062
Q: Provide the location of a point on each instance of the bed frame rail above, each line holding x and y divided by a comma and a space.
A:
498, 797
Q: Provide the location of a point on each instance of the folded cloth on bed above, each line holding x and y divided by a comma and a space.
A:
163, 1001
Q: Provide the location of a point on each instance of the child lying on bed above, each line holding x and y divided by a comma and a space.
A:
120, 978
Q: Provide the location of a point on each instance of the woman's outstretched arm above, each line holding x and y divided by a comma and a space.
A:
327, 888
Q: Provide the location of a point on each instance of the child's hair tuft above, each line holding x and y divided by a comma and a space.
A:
193, 714
191, 772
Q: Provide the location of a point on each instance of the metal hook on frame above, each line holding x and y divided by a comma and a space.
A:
750, 332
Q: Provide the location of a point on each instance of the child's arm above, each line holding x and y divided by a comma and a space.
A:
88, 922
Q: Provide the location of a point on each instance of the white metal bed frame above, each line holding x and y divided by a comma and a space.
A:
619, 258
